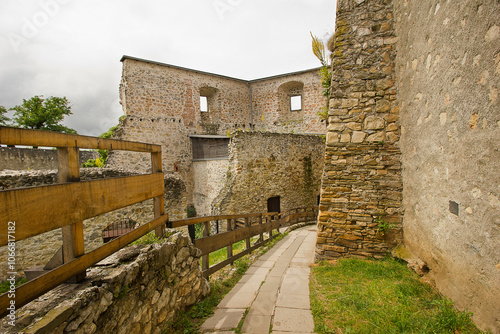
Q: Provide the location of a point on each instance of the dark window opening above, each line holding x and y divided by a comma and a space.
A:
273, 204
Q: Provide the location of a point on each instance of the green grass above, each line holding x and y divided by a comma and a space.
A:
5, 286
221, 254
365, 296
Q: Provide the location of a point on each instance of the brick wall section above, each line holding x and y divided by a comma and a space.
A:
362, 181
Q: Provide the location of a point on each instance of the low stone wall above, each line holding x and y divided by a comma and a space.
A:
17, 158
139, 289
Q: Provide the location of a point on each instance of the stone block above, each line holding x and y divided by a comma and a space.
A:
379, 136
358, 137
374, 123
383, 105
332, 138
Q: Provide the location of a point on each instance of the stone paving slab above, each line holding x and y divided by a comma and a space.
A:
298, 285
237, 300
293, 301
257, 324
223, 320
293, 320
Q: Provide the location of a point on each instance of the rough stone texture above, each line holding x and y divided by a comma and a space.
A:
362, 185
136, 290
449, 74
162, 106
17, 158
264, 165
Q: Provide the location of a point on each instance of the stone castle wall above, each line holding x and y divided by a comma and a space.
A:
265, 165
448, 67
271, 107
139, 289
362, 186
162, 106
17, 158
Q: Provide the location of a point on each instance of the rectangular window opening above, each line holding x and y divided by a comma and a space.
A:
203, 104
296, 103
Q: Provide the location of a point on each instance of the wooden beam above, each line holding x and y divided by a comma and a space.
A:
40, 285
27, 137
197, 220
218, 241
42, 209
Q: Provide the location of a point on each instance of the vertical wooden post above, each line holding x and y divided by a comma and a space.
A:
205, 259
248, 239
230, 247
262, 234
158, 202
68, 159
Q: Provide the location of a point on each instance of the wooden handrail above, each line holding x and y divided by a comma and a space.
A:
197, 220
27, 137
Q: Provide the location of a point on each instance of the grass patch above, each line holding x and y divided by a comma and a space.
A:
5, 286
151, 238
365, 296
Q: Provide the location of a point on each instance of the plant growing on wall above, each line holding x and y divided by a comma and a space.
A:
319, 50
103, 154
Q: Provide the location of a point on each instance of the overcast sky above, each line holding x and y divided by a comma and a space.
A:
73, 48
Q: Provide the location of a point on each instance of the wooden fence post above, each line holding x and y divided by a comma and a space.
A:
248, 239
230, 247
205, 259
262, 234
158, 202
68, 159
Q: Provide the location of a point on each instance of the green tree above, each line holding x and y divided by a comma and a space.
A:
43, 114
3, 118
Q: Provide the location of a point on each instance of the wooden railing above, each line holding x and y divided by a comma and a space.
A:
254, 224
28, 212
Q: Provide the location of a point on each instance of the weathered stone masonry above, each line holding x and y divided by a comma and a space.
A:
447, 107
162, 105
362, 186
139, 289
448, 67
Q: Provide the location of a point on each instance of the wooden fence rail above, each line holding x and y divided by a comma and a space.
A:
32, 211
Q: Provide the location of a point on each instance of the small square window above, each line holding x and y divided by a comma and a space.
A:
203, 104
296, 103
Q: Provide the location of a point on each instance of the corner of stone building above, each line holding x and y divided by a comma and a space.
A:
361, 197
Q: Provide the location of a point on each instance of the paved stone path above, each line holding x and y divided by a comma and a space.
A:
274, 290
